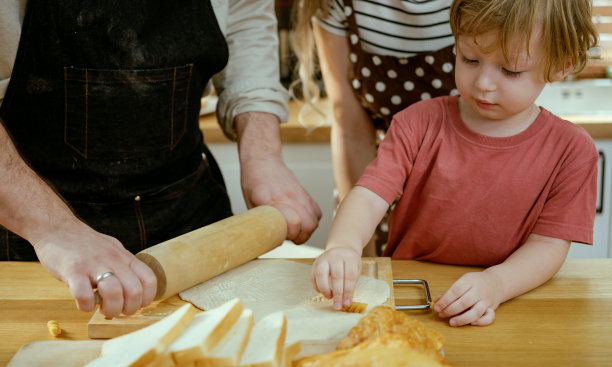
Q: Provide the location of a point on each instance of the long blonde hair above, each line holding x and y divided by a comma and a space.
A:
568, 34
304, 48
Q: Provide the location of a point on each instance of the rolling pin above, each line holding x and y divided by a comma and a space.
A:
199, 255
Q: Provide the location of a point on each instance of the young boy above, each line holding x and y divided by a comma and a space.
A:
484, 178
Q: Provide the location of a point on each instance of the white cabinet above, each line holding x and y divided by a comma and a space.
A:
310, 162
601, 231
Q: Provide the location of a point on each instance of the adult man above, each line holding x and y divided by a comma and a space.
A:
103, 105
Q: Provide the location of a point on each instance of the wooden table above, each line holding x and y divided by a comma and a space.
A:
565, 322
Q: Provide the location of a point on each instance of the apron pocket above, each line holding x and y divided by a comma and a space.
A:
120, 114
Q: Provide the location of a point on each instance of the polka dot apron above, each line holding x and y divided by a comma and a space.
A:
387, 84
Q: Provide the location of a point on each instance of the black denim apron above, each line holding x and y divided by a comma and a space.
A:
103, 103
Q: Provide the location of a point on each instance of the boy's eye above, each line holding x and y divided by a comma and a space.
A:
469, 61
511, 73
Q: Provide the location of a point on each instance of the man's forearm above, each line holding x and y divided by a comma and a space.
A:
28, 205
267, 180
258, 135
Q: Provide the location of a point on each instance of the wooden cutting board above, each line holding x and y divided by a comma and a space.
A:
101, 328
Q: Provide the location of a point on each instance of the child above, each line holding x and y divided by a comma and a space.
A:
485, 178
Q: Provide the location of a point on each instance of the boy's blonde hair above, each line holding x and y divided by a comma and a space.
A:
568, 29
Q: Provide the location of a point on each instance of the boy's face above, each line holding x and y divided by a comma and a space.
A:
492, 89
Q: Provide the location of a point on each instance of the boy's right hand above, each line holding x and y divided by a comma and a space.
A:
335, 274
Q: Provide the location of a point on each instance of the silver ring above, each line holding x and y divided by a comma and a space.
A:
103, 276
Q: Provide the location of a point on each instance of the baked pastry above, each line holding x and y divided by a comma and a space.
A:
384, 338
389, 350
382, 320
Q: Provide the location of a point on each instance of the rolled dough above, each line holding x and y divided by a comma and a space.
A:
267, 286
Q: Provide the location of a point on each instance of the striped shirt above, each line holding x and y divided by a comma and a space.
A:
398, 28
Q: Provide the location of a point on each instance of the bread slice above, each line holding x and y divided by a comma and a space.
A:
265, 347
230, 349
202, 335
141, 346
290, 352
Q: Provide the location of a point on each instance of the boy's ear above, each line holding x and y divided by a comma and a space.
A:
561, 73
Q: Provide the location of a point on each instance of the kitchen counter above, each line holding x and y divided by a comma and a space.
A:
565, 322
318, 127
598, 126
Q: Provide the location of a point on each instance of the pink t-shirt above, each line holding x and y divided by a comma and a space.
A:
471, 199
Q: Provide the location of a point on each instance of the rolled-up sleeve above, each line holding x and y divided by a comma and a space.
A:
11, 20
251, 80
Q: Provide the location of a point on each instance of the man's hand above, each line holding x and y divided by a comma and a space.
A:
266, 179
77, 255
69, 249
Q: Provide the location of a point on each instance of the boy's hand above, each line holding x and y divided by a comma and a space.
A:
335, 274
470, 300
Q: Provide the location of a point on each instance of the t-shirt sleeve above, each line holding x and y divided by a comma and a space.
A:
569, 211
334, 19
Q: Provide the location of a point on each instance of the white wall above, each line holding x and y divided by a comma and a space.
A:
310, 162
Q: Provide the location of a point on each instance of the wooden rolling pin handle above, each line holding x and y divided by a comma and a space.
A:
158, 270
194, 257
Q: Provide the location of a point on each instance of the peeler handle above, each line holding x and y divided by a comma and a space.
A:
422, 282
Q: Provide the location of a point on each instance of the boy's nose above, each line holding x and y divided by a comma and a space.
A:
485, 81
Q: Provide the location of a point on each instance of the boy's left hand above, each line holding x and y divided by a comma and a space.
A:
470, 300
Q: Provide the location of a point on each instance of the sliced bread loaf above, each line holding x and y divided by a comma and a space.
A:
230, 349
290, 352
266, 343
202, 335
139, 347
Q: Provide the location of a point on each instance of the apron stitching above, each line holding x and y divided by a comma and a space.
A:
86, 108
139, 220
65, 104
172, 111
187, 93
